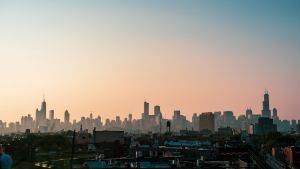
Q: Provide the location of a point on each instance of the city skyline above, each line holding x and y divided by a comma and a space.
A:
264, 122
107, 57
44, 112
136, 115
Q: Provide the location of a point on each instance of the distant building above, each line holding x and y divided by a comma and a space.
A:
146, 108
51, 114
67, 117
207, 121
248, 113
218, 120
40, 116
242, 122
275, 112
264, 126
266, 112
157, 111
285, 126
179, 121
254, 118
229, 119
195, 122
275, 117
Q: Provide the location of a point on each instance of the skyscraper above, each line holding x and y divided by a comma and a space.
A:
266, 112
248, 113
130, 117
146, 108
275, 112
157, 111
51, 114
195, 122
145, 116
40, 115
228, 119
207, 121
67, 117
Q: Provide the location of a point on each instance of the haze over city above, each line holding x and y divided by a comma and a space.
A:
106, 58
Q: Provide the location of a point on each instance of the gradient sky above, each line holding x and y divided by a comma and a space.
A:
107, 57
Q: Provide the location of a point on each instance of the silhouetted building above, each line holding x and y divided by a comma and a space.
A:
51, 114
40, 116
146, 108
264, 126
229, 119
248, 113
218, 120
266, 112
207, 121
275, 112
275, 117
195, 122
179, 121
67, 117
157, 111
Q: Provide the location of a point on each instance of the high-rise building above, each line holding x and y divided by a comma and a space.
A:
130, 117
195, 122
266, 112
248, 113
218, 119
67, 117
146, 108
118, 121
229, 119
51, 115
275, 117
176, 114
157, 111
40, 115
179, 121
275, 112
207, 121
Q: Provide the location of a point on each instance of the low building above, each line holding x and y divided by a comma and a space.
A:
225, 132
108, 136
292, 155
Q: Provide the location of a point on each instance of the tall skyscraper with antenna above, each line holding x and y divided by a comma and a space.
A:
40, 115
266, 112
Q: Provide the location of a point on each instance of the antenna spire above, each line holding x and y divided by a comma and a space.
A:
266, 91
